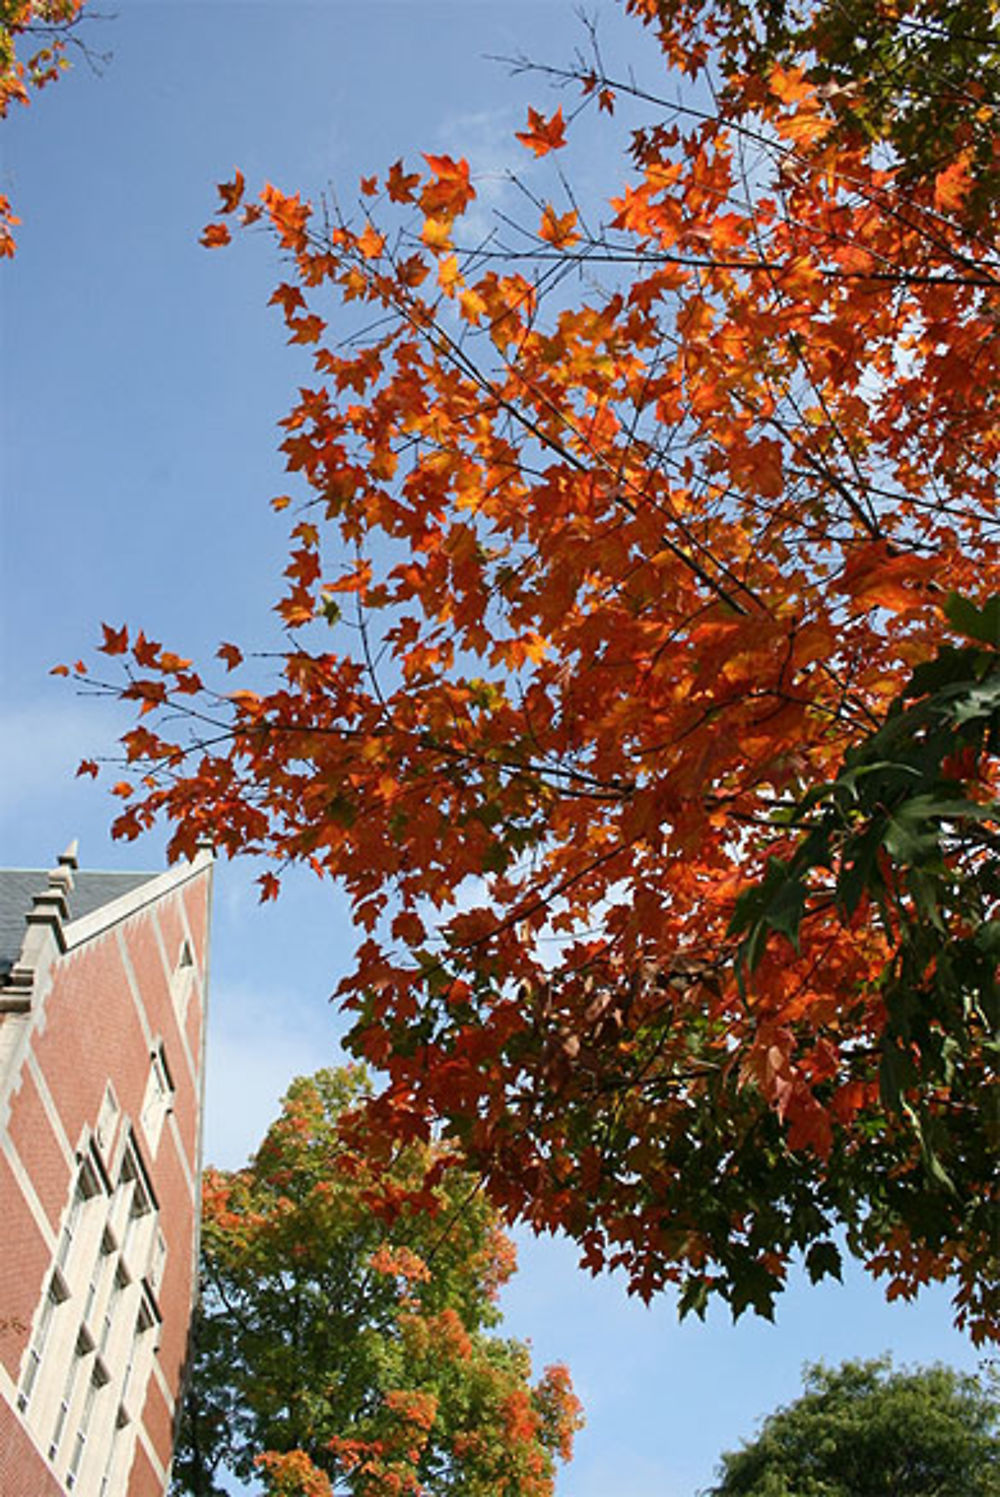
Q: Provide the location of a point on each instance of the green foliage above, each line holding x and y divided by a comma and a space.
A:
907, 831
342, 1342
864, 1430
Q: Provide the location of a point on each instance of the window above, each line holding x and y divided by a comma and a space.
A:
158, 1100
119, 1284
85, 1189
157, 1260
182, 982
140, 1355
57, 1292
98, 1378
84, 1346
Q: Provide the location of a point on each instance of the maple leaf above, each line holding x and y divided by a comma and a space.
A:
560, 231
145, 651
436, 234
370, 242
231, 654
450, 192
543, 135
953, 184
115, 641
214, 236
231, 193
401, 184
88, 767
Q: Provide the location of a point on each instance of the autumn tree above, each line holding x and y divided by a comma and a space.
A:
866, 1430
642, 684
344, 1340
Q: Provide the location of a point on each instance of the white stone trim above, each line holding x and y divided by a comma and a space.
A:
77, 932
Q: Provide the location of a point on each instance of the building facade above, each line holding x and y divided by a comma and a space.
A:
102, 1026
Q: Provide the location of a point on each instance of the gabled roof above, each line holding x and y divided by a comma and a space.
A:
90, 892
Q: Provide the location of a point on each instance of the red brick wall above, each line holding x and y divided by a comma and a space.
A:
23, 1473
23, 1262
38, 1148
142, 1479
157, 1420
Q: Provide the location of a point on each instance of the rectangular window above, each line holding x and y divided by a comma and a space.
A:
182, 982
110, 1310
98, 1378
158, 1099
67, 1399
56, 1294
157, 1260
86, 1187
98, 1276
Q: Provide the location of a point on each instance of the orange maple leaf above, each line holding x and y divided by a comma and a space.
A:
436, 234
450, 191
371, 243
543, 135
214, 236
558, 230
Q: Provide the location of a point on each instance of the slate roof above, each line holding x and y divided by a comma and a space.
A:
18, 886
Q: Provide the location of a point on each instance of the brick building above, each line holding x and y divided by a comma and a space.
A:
102, 994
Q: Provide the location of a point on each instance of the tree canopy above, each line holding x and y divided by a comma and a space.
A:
867, 1430
344, 1340
641, 684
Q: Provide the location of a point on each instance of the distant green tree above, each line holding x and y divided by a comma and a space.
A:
344, 1338
865, 1430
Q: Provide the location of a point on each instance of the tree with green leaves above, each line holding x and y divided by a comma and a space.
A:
343, 1343
865, 1430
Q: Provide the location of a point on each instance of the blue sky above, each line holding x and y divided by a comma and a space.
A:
142, 380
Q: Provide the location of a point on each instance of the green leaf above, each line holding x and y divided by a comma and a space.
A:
822, 1260
982, 624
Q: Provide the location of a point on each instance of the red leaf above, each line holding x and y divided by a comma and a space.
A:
115, 640
231, 654
231, 193
543, 135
